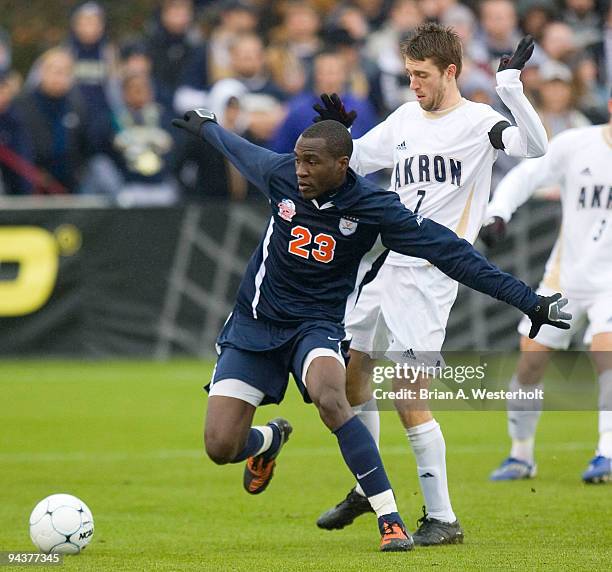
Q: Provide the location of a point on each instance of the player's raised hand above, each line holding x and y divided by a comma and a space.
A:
333, 108
493, 232
192, 120
520, 56
549, 311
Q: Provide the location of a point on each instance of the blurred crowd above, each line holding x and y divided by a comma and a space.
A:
93, 114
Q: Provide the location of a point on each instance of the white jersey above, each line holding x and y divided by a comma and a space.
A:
442, 161
580, 161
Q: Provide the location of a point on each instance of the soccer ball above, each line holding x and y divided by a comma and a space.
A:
61, 524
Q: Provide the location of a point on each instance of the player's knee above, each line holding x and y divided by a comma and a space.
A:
332, 404
219, 450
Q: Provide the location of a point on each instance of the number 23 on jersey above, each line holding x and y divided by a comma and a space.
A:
322, 251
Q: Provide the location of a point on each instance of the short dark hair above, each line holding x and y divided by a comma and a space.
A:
440, 43
338, 140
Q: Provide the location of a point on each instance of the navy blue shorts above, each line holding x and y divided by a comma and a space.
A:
263, 355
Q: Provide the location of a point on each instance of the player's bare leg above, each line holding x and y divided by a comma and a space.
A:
523, 415
326, 384
358, 376
438, 525
230, 438
600, 467
227, 425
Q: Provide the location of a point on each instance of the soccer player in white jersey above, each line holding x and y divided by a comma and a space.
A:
580, 161
441, 150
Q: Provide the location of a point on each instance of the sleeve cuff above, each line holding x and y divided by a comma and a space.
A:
508, 77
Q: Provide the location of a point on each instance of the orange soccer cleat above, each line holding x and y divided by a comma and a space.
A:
259, 470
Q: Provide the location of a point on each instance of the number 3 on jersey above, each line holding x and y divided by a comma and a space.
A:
326, 245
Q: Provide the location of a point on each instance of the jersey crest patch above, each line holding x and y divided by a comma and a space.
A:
347, 226
286, 209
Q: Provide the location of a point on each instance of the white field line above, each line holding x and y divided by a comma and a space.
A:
163, 454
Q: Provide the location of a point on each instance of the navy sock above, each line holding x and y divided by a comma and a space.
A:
276, 443
362, 457
253, 444
391, 517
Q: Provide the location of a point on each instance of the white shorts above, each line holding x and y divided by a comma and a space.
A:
597, 311
402, 314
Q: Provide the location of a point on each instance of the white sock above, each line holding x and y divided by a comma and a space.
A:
429, 449
383, 503
368, 414
523, 417
604, 447
522, 449
267, 433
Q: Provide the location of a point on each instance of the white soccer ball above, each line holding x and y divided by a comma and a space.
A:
61, 524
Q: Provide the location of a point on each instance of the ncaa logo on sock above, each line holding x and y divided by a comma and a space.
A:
286, 209
347, 226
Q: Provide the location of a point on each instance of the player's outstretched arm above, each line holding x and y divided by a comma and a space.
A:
528, 138
414, 235
254, 163
521, 182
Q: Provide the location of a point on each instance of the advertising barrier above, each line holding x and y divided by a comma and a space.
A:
79, 279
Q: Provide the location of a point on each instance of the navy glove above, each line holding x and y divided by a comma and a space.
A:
192, 120
493, 232
520, 57
548, 311
333, 109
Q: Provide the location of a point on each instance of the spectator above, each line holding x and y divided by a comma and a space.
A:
435, 10
15, 146
404, 16
591, 96
557, 101
5, 51
95, 60
558, 42
136, 171
170, 46
363, 73
464, 22
351, 19
330, 76
294, 45
374, 11
383, 47
56, 119
584, 21
204, 173
498, 34
250, 82
134, 58
535, 15
602, 53
258, 98
236, 18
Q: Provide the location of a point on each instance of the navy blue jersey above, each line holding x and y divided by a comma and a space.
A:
316, 254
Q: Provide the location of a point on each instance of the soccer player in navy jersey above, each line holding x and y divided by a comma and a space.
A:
329, 232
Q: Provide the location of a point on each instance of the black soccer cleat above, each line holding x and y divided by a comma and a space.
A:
345, 512
434, 532
259, 470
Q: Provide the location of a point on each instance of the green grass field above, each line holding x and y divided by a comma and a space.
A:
126, 438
